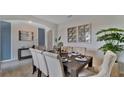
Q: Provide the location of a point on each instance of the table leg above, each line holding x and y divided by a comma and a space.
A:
90, 63
66, 71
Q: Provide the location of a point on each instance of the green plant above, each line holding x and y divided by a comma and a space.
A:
57, 39
113, 38
58, 43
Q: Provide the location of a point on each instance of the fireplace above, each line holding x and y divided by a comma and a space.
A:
24, 53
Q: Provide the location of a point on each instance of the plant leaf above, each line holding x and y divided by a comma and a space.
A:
109, 30
56, 40
111, 36
59, 38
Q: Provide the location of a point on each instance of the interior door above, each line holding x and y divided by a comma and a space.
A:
0, 43
41, 37
5, 40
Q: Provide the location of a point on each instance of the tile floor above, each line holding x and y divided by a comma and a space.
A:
24, 69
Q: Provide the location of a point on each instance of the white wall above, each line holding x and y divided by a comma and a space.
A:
21, 23
16, 44
98, 23
49, 40
25, 26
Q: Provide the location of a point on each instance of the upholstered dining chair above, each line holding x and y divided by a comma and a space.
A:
35, 60
42, 63
55, 66
105, 68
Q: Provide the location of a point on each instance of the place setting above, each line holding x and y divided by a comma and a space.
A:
81, 59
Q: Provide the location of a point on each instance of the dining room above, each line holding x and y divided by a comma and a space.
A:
54, 46
63, 46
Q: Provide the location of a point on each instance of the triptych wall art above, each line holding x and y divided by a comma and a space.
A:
81, 33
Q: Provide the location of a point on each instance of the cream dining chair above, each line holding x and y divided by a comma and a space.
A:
35, 60
105, 68
42, 62
55, 66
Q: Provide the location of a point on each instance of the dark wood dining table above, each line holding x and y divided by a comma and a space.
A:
74, 66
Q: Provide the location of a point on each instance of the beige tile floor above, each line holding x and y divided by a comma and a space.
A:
25, 70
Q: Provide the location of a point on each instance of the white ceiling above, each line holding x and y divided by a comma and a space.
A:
57, 19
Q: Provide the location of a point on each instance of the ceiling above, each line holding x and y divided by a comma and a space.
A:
57, 19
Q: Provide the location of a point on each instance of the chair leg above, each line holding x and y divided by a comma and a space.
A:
34, 69
39, 73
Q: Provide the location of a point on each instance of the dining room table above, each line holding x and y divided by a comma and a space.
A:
75, 63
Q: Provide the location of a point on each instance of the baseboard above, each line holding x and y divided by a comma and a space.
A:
9, 60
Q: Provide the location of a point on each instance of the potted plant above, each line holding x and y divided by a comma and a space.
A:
113, 39
58, 44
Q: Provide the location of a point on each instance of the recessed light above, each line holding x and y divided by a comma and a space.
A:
29, 22
69, 16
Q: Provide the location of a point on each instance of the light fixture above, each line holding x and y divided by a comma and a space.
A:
69, 16
30, 22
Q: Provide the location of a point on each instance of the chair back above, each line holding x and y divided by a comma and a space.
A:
54, 64
34, 56
42, 62
108, 62
42, 48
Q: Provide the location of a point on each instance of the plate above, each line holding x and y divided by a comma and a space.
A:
64, 60
81, 59
74, 54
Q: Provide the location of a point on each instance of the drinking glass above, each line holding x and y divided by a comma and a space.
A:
69, 56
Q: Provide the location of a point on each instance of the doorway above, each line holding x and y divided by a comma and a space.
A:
41, 37
5, 40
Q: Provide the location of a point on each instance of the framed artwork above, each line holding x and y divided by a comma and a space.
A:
80, 33
84, 33
72, 34
25, 36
